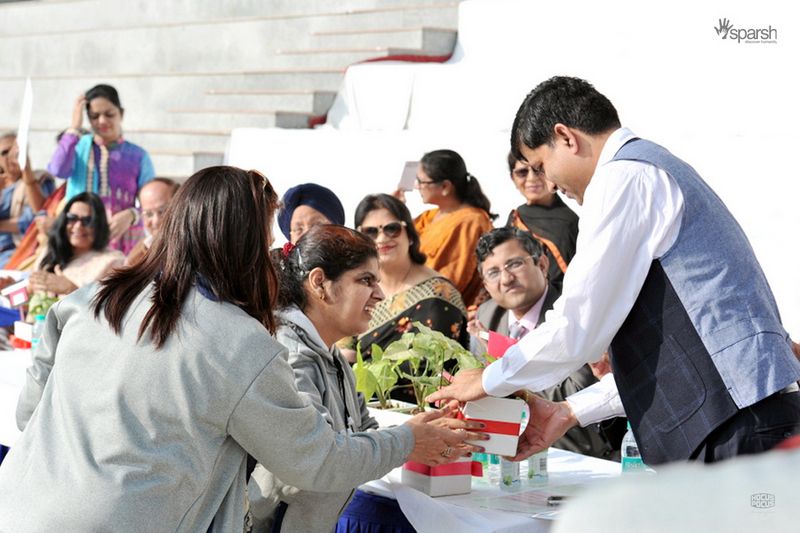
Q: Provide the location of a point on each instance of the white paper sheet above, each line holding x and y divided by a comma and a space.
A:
25, 123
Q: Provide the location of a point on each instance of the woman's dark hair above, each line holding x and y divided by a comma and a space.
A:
216, 234
334, 249
104, 91
570, 101
59, 250
442, 165
398, 210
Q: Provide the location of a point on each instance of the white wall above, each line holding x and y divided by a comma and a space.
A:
729, 109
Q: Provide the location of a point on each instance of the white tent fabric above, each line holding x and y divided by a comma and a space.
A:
727, 107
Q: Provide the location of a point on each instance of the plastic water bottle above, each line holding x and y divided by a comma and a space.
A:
509, 475
631, 458
483, 459
494, 469
537, 467
36, 332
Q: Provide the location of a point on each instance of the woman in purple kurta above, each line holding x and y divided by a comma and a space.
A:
104, 163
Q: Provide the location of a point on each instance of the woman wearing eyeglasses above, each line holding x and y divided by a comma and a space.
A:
449, 233
545, 216
77, 251
414, 292
105, 163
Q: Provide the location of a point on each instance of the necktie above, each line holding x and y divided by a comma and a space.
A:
517, 331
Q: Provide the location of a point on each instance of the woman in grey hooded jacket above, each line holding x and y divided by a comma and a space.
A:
328, 289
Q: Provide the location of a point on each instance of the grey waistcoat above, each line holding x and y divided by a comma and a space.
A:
704, 338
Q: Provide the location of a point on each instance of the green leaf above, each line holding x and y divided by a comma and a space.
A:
377, 353
366, 382
467, 360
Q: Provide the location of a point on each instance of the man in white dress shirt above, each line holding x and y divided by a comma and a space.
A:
664, 275
515, 274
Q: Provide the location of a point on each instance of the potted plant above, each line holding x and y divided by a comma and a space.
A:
426, 353
375, 378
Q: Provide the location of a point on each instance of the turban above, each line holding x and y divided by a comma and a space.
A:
315, 196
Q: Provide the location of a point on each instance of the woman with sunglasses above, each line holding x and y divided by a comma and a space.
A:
105, 163
414, 292
449, 232
168, 376
77, 251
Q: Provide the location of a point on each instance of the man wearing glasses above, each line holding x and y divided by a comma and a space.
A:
514, 271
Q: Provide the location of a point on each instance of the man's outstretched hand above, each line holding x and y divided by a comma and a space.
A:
466, 386
549, 421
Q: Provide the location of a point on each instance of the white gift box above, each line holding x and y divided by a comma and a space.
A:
16, 294
442, 480
23, 330
505, 420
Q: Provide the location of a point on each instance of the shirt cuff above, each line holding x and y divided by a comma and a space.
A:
599, 402
493, 382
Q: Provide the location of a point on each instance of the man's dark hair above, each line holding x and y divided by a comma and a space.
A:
492, 239
512, 162
570, 101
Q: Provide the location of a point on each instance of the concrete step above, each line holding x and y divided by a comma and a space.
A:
224, 120
303, 101
434, 15
175, 165
435, 41
49, 18
319, 57
144, 96
241, 45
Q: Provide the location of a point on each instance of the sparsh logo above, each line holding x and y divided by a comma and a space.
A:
724, 26
726, 31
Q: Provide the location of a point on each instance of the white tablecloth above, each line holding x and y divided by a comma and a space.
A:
12, 377
487, 508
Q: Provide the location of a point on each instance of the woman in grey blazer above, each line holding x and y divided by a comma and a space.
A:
151, 388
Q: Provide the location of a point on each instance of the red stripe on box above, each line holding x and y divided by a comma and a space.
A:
462, 468
497, 427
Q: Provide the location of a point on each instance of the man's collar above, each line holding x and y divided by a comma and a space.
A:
614, 142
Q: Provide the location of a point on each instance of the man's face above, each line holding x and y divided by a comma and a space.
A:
561, 165
154, 199
512, 278
303, 219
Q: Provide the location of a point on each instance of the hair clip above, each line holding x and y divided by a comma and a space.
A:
287, 249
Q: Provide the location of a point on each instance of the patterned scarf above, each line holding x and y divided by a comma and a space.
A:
103, 190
